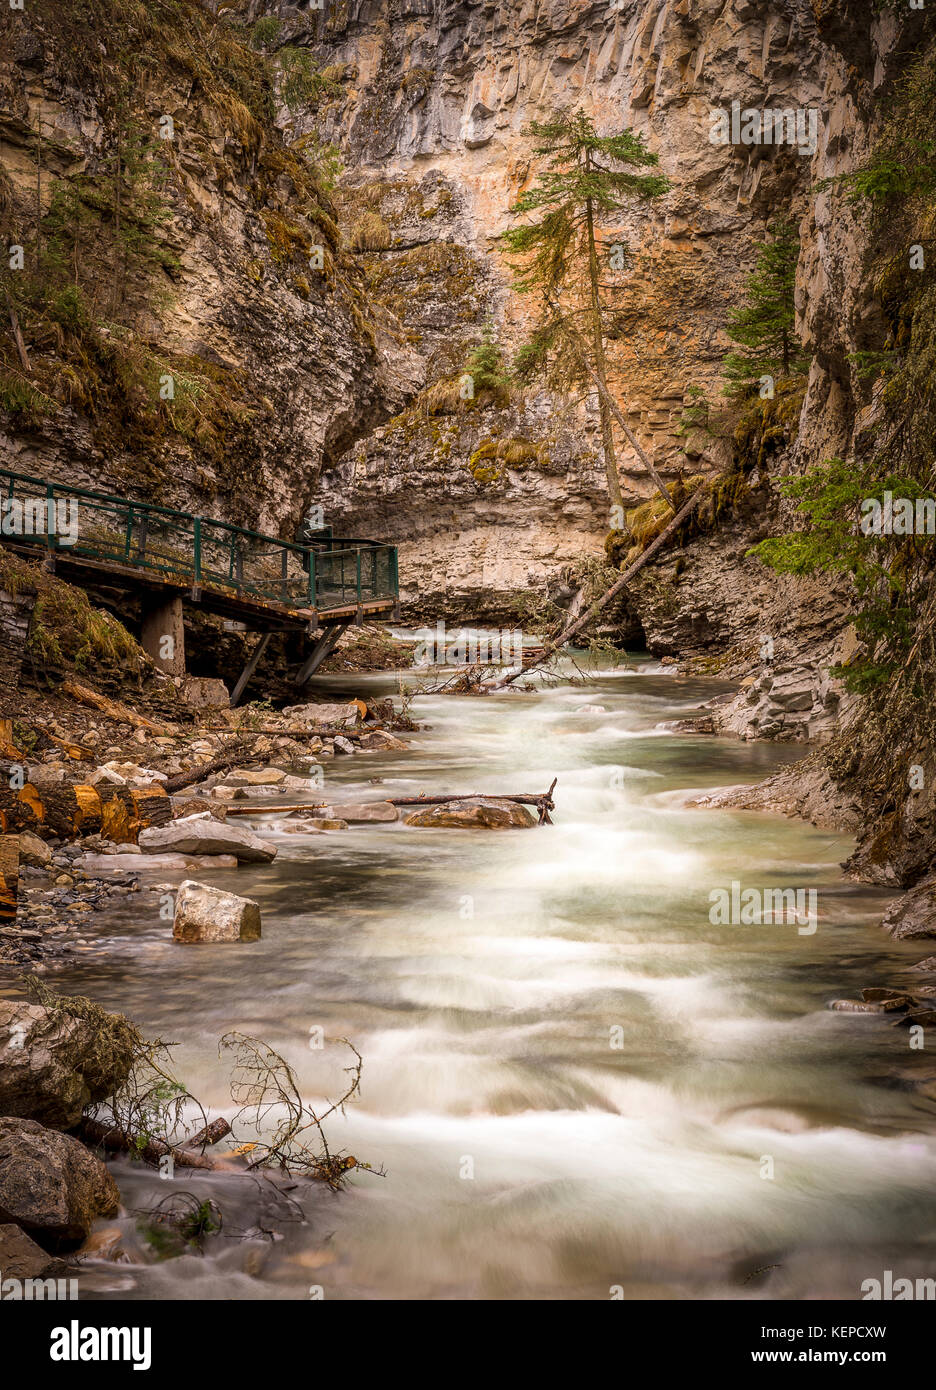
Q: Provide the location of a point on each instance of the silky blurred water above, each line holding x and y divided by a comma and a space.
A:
573, 1081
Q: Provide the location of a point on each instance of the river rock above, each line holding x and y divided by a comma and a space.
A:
51, 1185
205, 692
343, 745
474, 813
913, 914
367, 813
22, 1258
203, 913
52, 1064
206, 837
380, 741
33, 851
325, 716
255, 777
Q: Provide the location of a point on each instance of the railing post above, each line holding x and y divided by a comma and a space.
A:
129, 536
312, 603
197, 553
50, 515
358, 567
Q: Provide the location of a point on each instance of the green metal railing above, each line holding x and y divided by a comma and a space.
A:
194, 549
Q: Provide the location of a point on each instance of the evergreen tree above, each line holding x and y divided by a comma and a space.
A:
764, 325
588, 179
485, 363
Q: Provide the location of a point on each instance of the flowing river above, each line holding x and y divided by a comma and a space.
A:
576, 1085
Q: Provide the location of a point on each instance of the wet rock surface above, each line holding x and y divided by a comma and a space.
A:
53, 1064
474, 813
51, 1185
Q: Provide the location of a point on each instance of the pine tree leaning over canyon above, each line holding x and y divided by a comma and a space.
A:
562, 259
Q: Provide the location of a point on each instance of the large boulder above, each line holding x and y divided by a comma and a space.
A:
51, 1185
474, 813
205, 835
380, 740
365, 814
203, 913
205, 692
32, 850
913, 914
53, 1064
324, 716
255, 777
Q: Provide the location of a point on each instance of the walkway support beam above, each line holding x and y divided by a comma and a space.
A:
249, 669
162, 635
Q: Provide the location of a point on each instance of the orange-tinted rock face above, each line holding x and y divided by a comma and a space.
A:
439, 96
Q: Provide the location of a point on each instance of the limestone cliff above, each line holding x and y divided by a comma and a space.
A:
201, 276
436, 95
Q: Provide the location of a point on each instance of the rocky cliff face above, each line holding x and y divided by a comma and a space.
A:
276, 367
440, 91
310, 376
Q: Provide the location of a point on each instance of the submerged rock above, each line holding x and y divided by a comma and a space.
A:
203, 913
367, 813
474, 813
51, 1185
53, 1064
207, 837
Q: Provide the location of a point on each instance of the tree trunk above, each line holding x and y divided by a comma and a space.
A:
575, 337
619, 584
600, 372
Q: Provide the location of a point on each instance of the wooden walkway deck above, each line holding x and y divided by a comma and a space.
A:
173, 558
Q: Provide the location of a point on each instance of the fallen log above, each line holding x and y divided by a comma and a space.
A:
211, 1134
117, 813
596, 607
240, 752
114, 709
541, 800
115, 1140
233, 753
9, 877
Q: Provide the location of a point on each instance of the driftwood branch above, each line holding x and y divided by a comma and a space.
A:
114, 709
17, 335
541, 800
234, 753
116, 1140
619, 584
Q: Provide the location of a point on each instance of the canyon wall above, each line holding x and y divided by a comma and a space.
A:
437, 95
